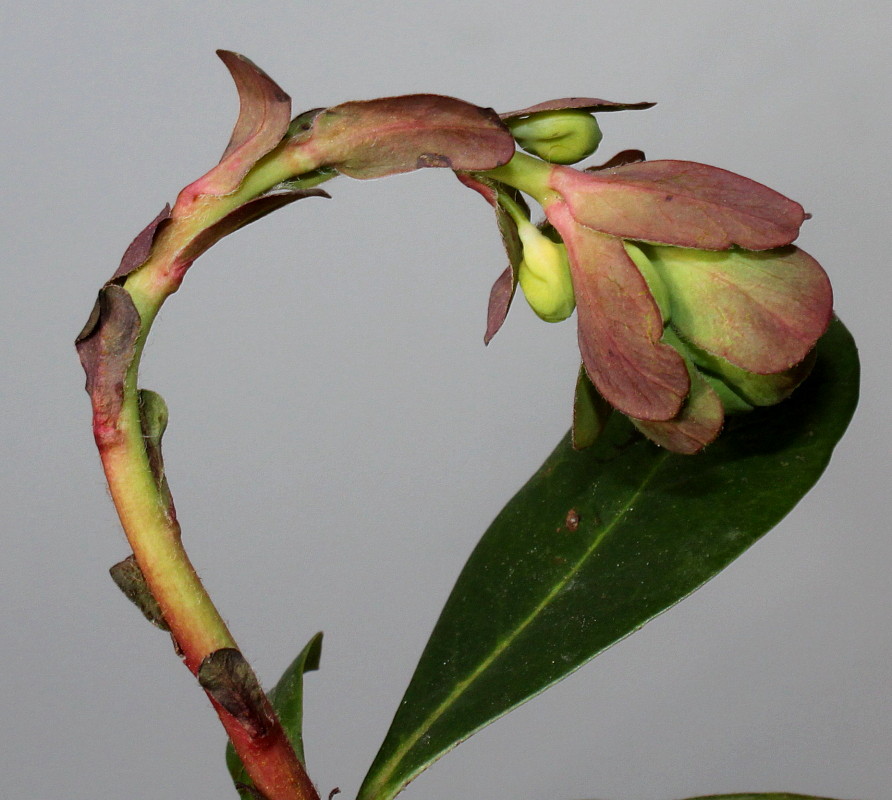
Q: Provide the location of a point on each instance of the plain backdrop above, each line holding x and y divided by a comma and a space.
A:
339, 435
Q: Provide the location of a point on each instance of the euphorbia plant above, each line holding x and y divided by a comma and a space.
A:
699, 322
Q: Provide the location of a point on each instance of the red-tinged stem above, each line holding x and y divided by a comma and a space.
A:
194, 622
147, 514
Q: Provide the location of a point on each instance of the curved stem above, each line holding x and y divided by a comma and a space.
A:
147, 513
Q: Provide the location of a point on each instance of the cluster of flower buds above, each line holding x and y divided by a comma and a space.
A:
691, 300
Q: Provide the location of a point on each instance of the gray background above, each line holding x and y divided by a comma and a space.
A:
340, 436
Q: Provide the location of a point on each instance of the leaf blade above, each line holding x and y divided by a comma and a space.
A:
375, 138
578, 559
264, 115
680, 203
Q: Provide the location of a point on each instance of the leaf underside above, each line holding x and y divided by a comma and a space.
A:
596, 544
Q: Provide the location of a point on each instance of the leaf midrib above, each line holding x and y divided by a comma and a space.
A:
500, 649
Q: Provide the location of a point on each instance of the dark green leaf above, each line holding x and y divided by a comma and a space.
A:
287, 700
590, 412
596, 544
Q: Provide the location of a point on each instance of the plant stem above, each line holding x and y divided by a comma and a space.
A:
527, 174
147, 514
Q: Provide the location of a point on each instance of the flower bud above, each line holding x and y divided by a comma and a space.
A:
544, 275
561, 137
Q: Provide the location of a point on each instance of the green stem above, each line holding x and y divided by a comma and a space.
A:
144, 507
527, 174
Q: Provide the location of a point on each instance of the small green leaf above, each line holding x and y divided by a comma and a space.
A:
153, 417
287, 700
596, 544
590, 412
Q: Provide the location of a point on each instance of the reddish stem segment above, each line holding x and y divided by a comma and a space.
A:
149, 520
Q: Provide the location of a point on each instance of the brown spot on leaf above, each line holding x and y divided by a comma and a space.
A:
572, 520
433, 160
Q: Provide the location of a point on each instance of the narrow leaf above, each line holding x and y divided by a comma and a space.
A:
287, 700
680, 203
760, 796
248, 212
590, 104
598, 543
502, 292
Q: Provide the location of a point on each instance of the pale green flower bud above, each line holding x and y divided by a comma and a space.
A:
544, 275
561, 137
